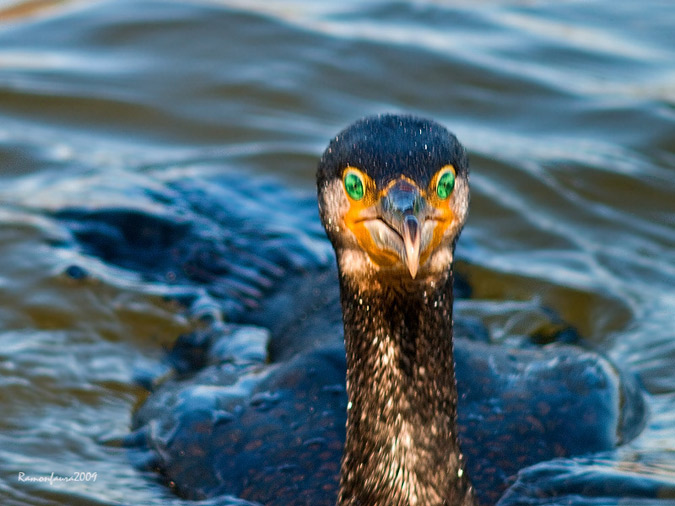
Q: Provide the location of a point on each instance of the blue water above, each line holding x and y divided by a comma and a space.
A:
567, 109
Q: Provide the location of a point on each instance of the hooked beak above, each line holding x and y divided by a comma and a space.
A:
411, 241
401, 209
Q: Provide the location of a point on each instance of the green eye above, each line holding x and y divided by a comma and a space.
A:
445, 185
354, 185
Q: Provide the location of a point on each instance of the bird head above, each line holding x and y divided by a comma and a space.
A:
393, 197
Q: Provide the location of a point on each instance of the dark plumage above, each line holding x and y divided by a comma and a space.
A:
256, 408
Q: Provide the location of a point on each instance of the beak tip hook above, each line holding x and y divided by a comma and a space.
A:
411, 239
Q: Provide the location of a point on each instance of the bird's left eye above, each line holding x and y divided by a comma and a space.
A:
354, 185
445, 183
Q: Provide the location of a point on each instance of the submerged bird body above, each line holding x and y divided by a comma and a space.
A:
258, 408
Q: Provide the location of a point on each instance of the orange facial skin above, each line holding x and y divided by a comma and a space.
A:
355, 221
364, 209
443, 214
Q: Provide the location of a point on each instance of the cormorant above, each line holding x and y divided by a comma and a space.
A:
258, 412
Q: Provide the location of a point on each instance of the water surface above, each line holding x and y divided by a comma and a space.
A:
567, 109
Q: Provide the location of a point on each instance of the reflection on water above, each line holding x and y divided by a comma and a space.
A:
566, 107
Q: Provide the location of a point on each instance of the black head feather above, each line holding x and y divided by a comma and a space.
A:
389, 145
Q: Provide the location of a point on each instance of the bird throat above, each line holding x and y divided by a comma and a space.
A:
401, 446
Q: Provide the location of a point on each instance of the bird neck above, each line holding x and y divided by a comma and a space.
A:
401, 445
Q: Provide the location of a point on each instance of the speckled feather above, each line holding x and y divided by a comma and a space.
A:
402, 443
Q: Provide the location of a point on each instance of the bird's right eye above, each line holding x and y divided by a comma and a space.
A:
354, 185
